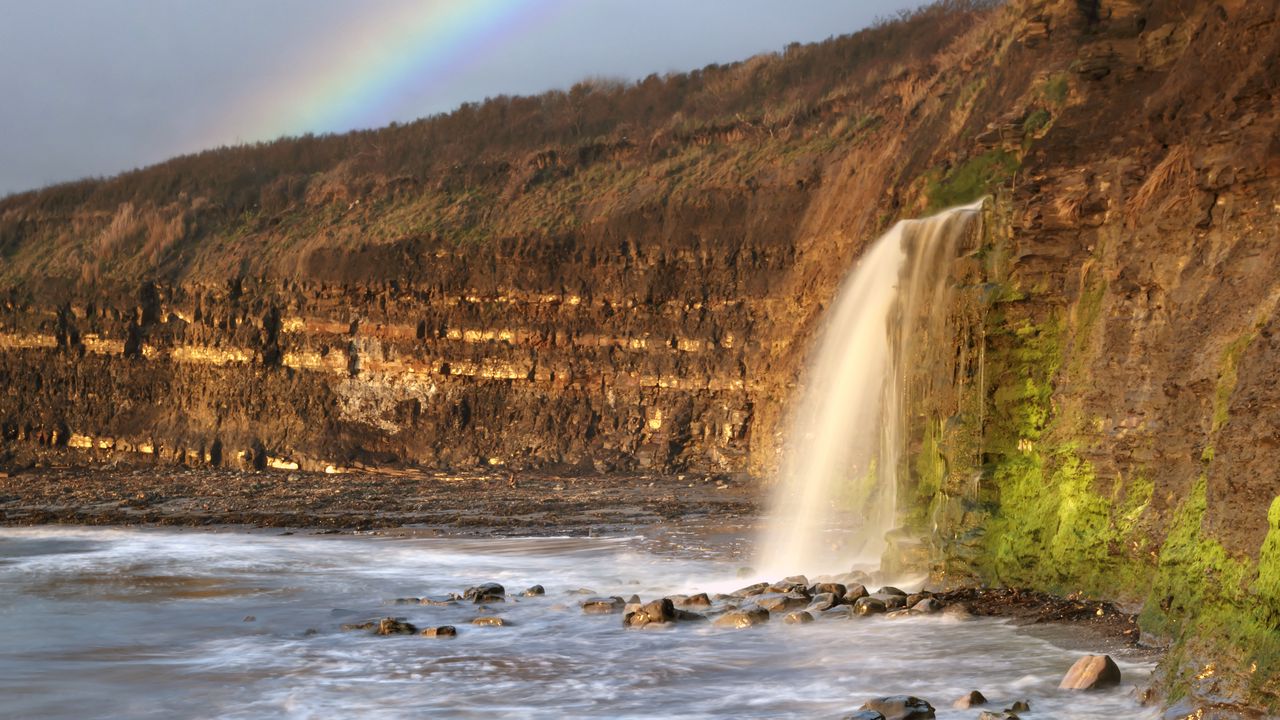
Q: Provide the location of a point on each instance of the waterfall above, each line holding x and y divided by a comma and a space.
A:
836, 496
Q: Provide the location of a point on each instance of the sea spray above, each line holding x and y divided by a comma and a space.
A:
836, 496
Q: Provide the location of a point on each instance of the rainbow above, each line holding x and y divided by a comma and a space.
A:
357, 79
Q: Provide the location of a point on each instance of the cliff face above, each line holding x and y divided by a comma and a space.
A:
643, 297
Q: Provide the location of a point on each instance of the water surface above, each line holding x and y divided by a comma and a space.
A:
152, 623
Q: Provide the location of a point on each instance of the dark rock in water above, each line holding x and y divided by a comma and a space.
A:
927, 606
783, 603
1092, 672
1019, 706
900, 707
687, 616
250, 618
655, 612
799, 617
750, 590
891, 601
972, 699
535, 591
864, 715
395, 626
823, 601
699, 600
602, 606
407, 601
369, 625
437, 603
485, 592
835, 589
989, 715
441, 631
490, 621
890, 590
743, 617
869, 606
633, 600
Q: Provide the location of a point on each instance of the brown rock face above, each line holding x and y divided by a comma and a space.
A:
1092, 672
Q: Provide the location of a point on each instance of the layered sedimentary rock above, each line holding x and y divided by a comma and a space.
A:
642, 295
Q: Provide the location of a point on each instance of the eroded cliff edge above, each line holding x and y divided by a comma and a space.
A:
628, 277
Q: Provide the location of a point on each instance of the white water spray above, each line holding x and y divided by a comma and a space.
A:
837, 494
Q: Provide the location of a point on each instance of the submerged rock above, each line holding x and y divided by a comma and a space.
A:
535, 591
603, 606
395, 626
1019, 706
743, 617
864, 715
490, 621
971, 699
799, 617
441, 631
989, 715
900, 707
1092, 672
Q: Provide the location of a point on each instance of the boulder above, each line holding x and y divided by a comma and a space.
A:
855, 591
869, 606
891, 590
971, 699
535, 591
440, 631
927, 606
835, 589
796, 580
891, 601
989, 715
700, 600
395, 626
688, 616
823, 601
1092, 672
864, 715
603, 606
750, 590
799, 617
490, 621
656, 612
407, 601
1019, 706
839, 612
485, 592
901, 707
783, 603
743, 617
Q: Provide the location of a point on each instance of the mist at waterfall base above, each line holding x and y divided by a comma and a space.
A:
836, 495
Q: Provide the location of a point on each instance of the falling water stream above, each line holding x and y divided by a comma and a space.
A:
836, 495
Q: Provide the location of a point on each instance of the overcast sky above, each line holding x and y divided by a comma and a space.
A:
96, 87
